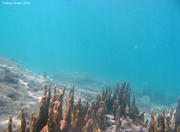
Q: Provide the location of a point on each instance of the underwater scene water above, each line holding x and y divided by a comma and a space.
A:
133, 40
129, 40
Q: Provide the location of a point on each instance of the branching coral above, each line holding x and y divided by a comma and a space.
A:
163, 123
78, 117
23, 121
178, 117
40, 120
9, 129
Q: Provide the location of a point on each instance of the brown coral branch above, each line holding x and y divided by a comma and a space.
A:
23, 121
9, 124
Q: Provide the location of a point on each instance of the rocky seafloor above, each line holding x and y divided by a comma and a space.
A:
107, 110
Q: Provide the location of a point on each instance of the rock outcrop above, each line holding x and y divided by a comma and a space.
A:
18, 87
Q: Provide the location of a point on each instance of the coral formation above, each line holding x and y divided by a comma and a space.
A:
106, 110
178, 117
163, 123
23, 121
9, 129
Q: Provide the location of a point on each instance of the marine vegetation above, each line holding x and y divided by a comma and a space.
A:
110, 111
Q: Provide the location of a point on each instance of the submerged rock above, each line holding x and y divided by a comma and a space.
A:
18, 88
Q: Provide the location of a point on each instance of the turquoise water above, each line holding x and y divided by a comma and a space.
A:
136, 40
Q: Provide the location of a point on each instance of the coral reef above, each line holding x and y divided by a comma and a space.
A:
178, 117
163, 123
9, 129
117, 111
23, 121
20, 87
